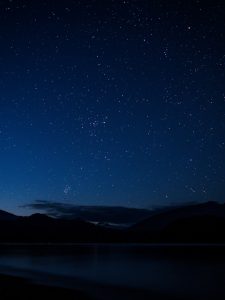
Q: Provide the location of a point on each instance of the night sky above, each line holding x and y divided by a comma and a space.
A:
112, 102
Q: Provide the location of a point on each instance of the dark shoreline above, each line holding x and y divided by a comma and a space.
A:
12, 287
33, 284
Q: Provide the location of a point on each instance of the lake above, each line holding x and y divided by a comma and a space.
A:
185, 272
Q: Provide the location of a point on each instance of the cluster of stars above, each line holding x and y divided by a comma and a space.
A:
117, 103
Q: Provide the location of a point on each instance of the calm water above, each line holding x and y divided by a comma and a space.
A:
192, 272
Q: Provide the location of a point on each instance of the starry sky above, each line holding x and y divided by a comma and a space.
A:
112, 102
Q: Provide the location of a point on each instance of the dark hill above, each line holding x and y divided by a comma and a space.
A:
39, 228
197, 223
191, 223
6, 216
163, 219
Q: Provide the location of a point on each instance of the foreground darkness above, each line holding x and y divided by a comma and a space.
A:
11, 287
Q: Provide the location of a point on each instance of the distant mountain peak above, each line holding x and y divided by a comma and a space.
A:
39, 216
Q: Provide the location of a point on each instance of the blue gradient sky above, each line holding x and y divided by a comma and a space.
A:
112, 102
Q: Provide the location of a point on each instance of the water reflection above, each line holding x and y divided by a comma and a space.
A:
195, 272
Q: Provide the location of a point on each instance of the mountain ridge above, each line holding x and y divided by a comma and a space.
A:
198, 223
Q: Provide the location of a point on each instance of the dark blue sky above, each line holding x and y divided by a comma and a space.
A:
112, 102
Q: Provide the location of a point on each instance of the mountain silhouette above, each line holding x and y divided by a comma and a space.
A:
162, 219
6, 216
203, 222
195, 223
